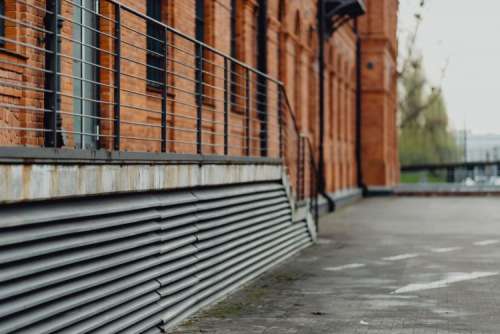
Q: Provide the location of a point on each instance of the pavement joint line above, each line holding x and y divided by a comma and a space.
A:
446, 249
346, 266
486, 242
444, 283
401, 257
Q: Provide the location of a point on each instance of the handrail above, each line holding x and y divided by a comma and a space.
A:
445, 165
312, 160
128, 109
189, 38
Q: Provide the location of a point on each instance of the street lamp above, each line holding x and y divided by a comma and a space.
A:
332, 14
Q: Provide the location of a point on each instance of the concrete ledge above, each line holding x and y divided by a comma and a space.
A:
446, 189
338, 200
24, 182
376, 191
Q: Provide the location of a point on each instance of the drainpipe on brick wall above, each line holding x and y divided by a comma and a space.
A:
359, 170
321, 118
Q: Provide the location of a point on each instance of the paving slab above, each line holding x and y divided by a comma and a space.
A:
385, 265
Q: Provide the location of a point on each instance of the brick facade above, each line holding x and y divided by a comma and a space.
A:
379, 88
292, 47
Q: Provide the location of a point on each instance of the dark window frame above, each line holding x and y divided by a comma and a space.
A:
199, 36
2, 22
155, 45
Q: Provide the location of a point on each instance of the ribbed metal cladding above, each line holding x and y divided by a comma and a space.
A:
137, 263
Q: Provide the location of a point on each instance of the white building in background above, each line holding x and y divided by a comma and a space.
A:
479, 147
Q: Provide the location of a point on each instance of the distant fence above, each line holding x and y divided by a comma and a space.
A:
453, 172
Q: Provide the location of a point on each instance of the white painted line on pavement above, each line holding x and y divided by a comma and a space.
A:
347, 266
452, 278
486, 242
401, 257
445, 250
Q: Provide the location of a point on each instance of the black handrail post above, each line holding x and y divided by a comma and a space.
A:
280, 121
164, 94
359, 169
321, 60
55, 82
199, 100
52, 78
226, 107
117, 78
299, 167
247, 111
261, 81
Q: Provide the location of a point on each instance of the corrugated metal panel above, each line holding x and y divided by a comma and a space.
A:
137, 263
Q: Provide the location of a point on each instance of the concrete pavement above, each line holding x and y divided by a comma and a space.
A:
385, 265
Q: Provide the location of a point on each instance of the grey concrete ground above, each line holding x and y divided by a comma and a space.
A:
386, 265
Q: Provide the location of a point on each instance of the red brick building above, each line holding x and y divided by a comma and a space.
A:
157, 154
231, 27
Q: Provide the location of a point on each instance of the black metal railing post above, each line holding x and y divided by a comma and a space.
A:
280, 121
299, 168
199, 99
164, 94
247, 112
450, 175
226, 106
52, 40
117, 79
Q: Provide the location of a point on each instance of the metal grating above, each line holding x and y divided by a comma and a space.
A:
137, 263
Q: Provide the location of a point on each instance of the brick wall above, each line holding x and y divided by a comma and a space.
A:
292, 48
379, 101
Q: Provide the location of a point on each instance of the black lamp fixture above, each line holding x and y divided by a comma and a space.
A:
338, 12
332, 14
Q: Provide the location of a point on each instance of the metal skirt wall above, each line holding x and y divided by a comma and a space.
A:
137, 263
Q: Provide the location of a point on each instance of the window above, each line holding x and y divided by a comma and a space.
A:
156, 41
85, 74
200, 20
205, 69
2, 22
200, 36
234, 52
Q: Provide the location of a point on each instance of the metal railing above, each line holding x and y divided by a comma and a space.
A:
454, 172
100, 76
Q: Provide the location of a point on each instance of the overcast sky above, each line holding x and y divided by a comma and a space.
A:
467, 33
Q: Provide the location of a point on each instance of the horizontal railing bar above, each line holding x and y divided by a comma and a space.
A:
85, 62
71, 156
91, 11
185, 36
15, 106
28, 45
87, 27
85, 98
25, 24
35, 6
37, 89
16, 128
72, 40
69, 76
3, 61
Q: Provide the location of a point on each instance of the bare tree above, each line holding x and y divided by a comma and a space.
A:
412, 60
